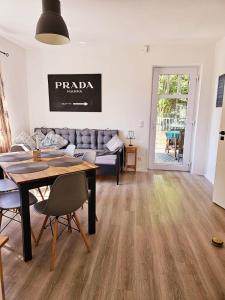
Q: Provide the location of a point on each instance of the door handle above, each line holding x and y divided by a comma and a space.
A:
222, 134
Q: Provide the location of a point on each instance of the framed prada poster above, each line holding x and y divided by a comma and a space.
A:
78, 92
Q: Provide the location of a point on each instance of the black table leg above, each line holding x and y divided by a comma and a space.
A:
25, 216
1, 173
92, 202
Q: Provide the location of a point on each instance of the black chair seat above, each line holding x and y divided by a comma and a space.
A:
40, 206
7, 185
11, 200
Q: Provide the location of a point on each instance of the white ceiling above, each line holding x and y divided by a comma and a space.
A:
119, 21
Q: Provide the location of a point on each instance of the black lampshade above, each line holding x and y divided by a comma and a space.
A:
51, 28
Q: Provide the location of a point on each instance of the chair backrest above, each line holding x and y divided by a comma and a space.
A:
89, 156
18, 147
181, 139
70, 150
68, 193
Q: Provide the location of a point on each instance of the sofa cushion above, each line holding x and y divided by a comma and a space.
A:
70, 150
86, 139
38, 137
115, 143
103, 137
66, 133
44, 130
53, 139
106, 160
25, 138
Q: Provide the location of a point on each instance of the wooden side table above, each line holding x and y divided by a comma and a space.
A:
132, 150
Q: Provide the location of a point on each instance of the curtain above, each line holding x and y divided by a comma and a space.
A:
5, 132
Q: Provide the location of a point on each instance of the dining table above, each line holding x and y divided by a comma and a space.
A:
46, 177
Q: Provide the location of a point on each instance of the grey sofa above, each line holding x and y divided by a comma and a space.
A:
109, 163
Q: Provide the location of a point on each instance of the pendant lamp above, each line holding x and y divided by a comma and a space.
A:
51, 28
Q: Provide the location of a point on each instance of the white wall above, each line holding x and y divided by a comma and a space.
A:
15, 83
126, 91
219, 69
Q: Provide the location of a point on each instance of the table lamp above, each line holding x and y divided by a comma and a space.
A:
130, 136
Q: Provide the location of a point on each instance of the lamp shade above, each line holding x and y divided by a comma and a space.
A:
51, 28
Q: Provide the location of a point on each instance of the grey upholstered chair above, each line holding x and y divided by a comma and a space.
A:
89, 156
19, 147
10, 201
68, 193
7, 185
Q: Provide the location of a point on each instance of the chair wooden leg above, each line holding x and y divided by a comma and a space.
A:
42, 229
76, 220
53, 252
1, 211
40, 192
69, 223
1, 277
33, 237
46, 189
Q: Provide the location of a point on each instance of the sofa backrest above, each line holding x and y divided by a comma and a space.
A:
84, 138
103, 136
66, 133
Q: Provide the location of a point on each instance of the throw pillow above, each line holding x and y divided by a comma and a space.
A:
70, 150
114, 144
60, 141
25, 138
52, 139
38, 137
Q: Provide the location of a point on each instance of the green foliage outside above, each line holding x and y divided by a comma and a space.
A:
172, 85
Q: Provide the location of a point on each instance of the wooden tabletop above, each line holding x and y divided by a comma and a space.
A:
3, 239
50, 172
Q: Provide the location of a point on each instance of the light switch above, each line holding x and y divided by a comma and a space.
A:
141, 124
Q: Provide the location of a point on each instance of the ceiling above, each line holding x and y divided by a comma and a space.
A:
119, 21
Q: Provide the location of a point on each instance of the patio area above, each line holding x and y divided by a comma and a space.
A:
168, 150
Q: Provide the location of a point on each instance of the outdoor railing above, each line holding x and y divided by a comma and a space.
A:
165, 124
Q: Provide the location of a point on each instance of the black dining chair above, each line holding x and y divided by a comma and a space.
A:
68, 193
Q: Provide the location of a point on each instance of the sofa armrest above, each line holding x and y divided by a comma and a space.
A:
120, 158
19, 147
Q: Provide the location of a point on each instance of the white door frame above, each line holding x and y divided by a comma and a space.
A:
191, 115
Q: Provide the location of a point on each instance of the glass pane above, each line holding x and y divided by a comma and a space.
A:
184, 84
170, 130
173, 83
163, 85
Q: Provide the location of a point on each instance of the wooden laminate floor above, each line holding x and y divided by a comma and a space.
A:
152, 242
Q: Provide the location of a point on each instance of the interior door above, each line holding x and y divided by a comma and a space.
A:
219, 184
172, 117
